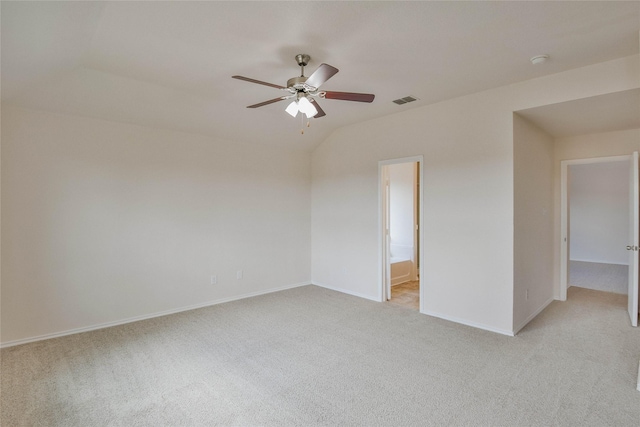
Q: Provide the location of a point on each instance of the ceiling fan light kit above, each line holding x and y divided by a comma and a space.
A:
304, 90
302, 105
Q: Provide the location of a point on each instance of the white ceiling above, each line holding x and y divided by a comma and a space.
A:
169, 64
604, 113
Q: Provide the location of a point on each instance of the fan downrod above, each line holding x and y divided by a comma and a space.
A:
298, 82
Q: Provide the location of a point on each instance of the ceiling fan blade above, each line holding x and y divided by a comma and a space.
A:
321, 75
247, 79
271, 101
320, 112
348, 96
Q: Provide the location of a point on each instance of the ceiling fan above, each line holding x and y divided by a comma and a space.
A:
304, 91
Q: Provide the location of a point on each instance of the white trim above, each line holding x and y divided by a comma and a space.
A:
345, 291
384, 270
561, 293
147, 316
413, 159
381, 250
599, 262
530, 318
467, 323
403, 278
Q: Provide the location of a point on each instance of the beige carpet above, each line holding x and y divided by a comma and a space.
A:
600, 277
310, 356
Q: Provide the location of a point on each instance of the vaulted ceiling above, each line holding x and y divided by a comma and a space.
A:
169, 64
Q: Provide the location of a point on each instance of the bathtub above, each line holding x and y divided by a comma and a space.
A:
401, 261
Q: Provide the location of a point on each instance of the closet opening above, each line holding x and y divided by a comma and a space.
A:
599, 221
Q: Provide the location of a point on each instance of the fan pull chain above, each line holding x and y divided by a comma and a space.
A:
302, 123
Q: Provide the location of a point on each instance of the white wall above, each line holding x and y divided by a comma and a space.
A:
605, 144
464, 167
401, 199
103, 222
599, 212
468, 193
533, 220
593, 145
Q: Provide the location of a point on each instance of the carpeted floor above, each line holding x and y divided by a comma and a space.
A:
599, 276
310, 356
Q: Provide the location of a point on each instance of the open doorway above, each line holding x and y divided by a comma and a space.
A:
599, 227
400, 183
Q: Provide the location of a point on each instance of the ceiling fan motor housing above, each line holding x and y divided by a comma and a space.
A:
297, 83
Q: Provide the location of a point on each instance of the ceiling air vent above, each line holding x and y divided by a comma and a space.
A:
404, 100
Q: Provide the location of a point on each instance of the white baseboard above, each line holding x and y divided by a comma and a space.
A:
399, 280
468, 323
147, 316
346, 291
400, 283
427, 312
532, 316
599, 261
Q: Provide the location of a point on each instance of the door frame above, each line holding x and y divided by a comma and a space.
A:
383, 250
564, 212
634, 196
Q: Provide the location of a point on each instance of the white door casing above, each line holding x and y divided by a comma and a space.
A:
387, 234
634, 200
384, 238
561, 293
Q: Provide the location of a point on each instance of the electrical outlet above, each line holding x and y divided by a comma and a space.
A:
214, 279
239, 274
